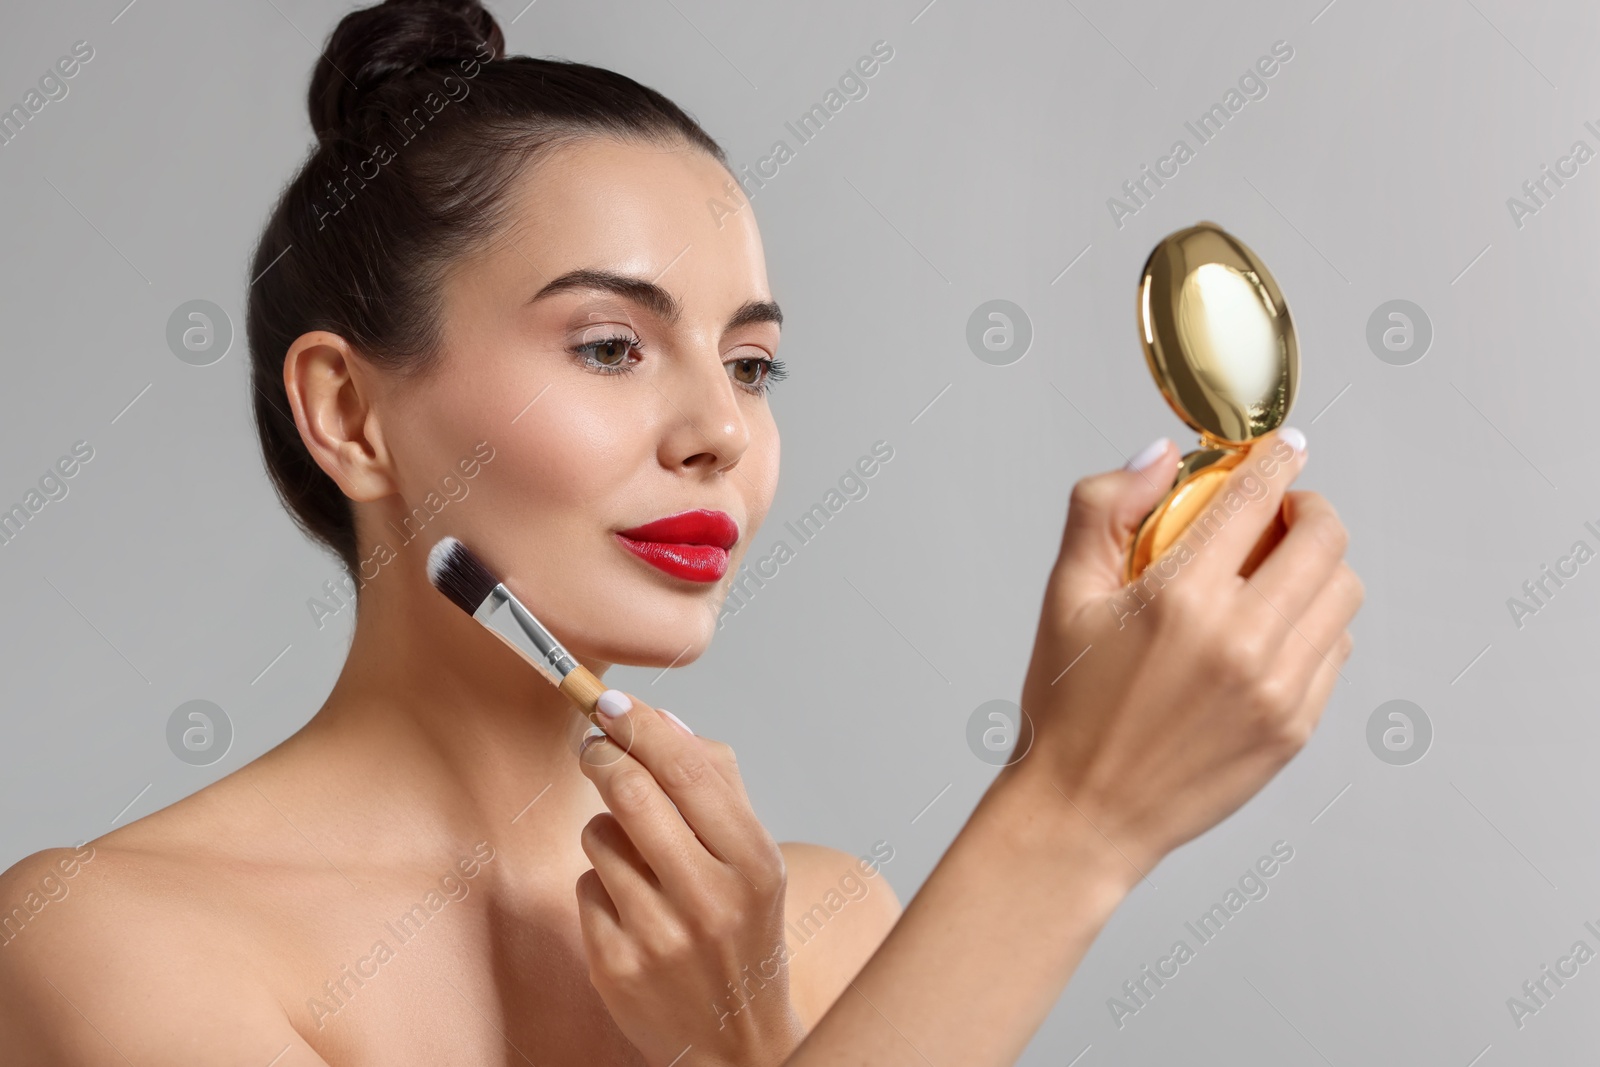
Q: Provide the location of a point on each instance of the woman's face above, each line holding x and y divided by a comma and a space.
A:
662, 413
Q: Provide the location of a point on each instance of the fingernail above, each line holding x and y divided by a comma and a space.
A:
591, 735
677, 720
1148, 454
613, 702
1294, 437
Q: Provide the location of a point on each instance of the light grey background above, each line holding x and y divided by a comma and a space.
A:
978, 167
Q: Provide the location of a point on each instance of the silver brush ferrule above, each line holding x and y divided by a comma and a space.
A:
505, 617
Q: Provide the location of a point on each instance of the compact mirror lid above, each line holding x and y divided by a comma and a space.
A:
1217, 335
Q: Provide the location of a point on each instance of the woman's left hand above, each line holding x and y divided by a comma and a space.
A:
682, 915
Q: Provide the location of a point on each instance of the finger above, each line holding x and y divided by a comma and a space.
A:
603, 936
689, 776
629, 882
1327, 675
645, 812
1310, 642
1298, 566
726, 761
719, 752
1102, 515
1248, 500
595, 905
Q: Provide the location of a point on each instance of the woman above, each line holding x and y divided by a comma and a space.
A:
542, 276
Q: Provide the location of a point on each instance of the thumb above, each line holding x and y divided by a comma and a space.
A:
1104, 511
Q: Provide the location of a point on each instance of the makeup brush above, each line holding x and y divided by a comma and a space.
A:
459, 574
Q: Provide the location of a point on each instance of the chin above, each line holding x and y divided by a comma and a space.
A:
635, 619
671, 633
607, 607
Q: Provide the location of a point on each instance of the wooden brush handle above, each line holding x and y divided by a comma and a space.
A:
583, 689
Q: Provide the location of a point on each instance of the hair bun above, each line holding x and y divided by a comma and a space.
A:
390, 40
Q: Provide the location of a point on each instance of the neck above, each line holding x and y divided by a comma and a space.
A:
449, 732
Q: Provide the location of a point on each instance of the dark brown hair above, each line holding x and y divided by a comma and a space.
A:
422, 124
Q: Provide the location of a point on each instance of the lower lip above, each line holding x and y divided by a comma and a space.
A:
697, 563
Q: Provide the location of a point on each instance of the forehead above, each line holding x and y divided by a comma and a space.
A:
659, 211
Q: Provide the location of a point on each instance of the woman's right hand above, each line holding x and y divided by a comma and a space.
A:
1158, 708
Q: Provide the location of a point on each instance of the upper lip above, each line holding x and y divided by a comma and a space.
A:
696, 527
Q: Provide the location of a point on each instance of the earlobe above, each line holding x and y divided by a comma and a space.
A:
330, 392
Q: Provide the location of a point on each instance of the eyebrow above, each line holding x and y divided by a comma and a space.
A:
652, 297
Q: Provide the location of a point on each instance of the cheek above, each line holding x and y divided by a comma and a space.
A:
763, 472
757, 487
556, 438
559, 460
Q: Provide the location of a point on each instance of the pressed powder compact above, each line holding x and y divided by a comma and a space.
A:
1219, 341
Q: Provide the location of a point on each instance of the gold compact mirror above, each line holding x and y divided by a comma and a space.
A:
1218, 338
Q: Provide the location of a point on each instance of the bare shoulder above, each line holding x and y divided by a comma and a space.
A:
104, 948
33, 893
95, 969
838, 909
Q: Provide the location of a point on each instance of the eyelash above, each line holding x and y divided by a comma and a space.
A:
773, 369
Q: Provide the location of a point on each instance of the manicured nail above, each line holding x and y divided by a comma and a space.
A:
613, 702
590, 736
1148, 454
677, 720
1294, 437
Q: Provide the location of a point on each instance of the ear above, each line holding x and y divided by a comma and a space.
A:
331, 391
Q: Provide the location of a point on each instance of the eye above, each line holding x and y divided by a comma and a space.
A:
757, 373
609, 354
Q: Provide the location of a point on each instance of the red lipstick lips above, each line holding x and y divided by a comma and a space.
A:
691, 544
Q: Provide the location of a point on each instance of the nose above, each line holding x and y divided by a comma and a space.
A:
706, 424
